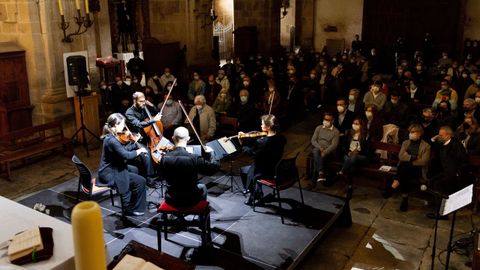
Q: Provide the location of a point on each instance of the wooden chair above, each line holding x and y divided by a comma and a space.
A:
286, 175
201, 209
227, 125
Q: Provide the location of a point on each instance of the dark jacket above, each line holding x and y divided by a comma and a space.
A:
113, 169
451, 160
180, 170
137, 118
364, 145
347, 122
268, 151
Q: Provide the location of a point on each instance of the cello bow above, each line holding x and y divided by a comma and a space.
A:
191, 124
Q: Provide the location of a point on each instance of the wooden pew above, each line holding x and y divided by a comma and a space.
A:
29, 142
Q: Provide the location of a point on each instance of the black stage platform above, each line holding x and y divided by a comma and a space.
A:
242, 239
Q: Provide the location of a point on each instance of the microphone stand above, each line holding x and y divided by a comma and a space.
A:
434, 246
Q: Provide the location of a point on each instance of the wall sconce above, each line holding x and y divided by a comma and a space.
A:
285, 6
83, 22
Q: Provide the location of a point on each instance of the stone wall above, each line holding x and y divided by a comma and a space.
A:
34, 25
346, 15
304, 22
472, 20
184, 21
286, 23
265, 15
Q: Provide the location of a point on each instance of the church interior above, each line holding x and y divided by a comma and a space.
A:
68, 66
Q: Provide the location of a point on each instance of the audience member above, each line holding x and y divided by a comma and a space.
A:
212, 89
203, 119
223, 80
355, 104
375, 96
165, 78
469, 135
154, 83
245, 112
196, 87
222, 102
172, 116
324, 141
374, 123
446, 95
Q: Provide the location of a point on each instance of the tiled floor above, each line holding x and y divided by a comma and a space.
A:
381, 236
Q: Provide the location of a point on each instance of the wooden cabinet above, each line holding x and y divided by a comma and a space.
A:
15, 107
90, 116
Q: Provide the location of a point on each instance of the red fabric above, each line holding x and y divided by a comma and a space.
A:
199, 208
271, 183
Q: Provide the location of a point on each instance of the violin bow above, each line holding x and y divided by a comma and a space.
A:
168, 95
191, 124
271, 103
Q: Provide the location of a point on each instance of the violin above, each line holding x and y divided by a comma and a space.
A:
252, 134
126, 136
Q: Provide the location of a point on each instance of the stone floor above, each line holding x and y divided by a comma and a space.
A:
381, 236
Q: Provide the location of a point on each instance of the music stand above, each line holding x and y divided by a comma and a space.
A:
83, 128
225, 149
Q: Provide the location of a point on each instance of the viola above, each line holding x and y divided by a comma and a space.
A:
125, 137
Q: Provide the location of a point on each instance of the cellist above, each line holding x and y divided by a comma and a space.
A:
136, 121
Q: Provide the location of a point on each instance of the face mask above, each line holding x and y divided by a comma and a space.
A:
419, 68
445, 57
169, 102
394, 101
291, 71
119, 83
477, 100
477, 82
199, 107
412, 136
244, 99
321, 63
355, 127
167, 74
324, 71
246, 83
242, 76
464, 75
326, 124
375, 90
444, 87
220, 76
466, 126
135, 81
340, 109
312, 76
440, 140
103, 87
334, 59
211, 83
155, 77
413, 87
351, 98
271, 89
369, 115
196, 77
223, 95
265, 71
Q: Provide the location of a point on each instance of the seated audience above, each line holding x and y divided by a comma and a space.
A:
271, 101
324, 141
469, 135
203, 118
166, 77
355, 103
375, 96
223, 80
172, 116
414, 158
196, 87
154, 83
245, 112
446, 95
374, 124
212, 88
222, 102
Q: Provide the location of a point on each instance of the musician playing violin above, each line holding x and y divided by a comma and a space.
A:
267, 152
137, 121
114, 171
180, 170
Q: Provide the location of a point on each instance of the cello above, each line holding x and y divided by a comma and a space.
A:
155, 133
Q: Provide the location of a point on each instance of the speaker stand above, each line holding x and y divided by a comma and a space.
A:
83, 128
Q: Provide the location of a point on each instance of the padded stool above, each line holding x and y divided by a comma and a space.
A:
201, 209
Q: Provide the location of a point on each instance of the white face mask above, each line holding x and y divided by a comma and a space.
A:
271, 89
155, 77
312, 76
464, 75
244, 99
246, 83
167, 74
196, 77
242, 76
199, 107
169, 102
355, 127
394, 101
351, 97
412, 136
340, 109
119, 83
369, 115
477, 100
103, 87
326, 124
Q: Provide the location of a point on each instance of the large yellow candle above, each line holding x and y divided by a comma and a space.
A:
89, 245
77, 4
86, 7
60, 7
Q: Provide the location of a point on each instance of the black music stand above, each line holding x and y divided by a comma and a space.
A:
81, 92
224, 149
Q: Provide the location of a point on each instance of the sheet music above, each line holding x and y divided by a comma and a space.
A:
457, 200
227, 145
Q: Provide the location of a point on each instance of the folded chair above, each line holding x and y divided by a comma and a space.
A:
286, 175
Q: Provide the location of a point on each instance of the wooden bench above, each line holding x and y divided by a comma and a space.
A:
373, 167
29, 142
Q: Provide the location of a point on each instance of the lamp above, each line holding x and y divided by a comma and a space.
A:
83, 22
285, 6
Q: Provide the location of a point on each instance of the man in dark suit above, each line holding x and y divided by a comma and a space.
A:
180, 170
343, 120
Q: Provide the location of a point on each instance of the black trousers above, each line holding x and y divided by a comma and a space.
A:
406, 172
135, 199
